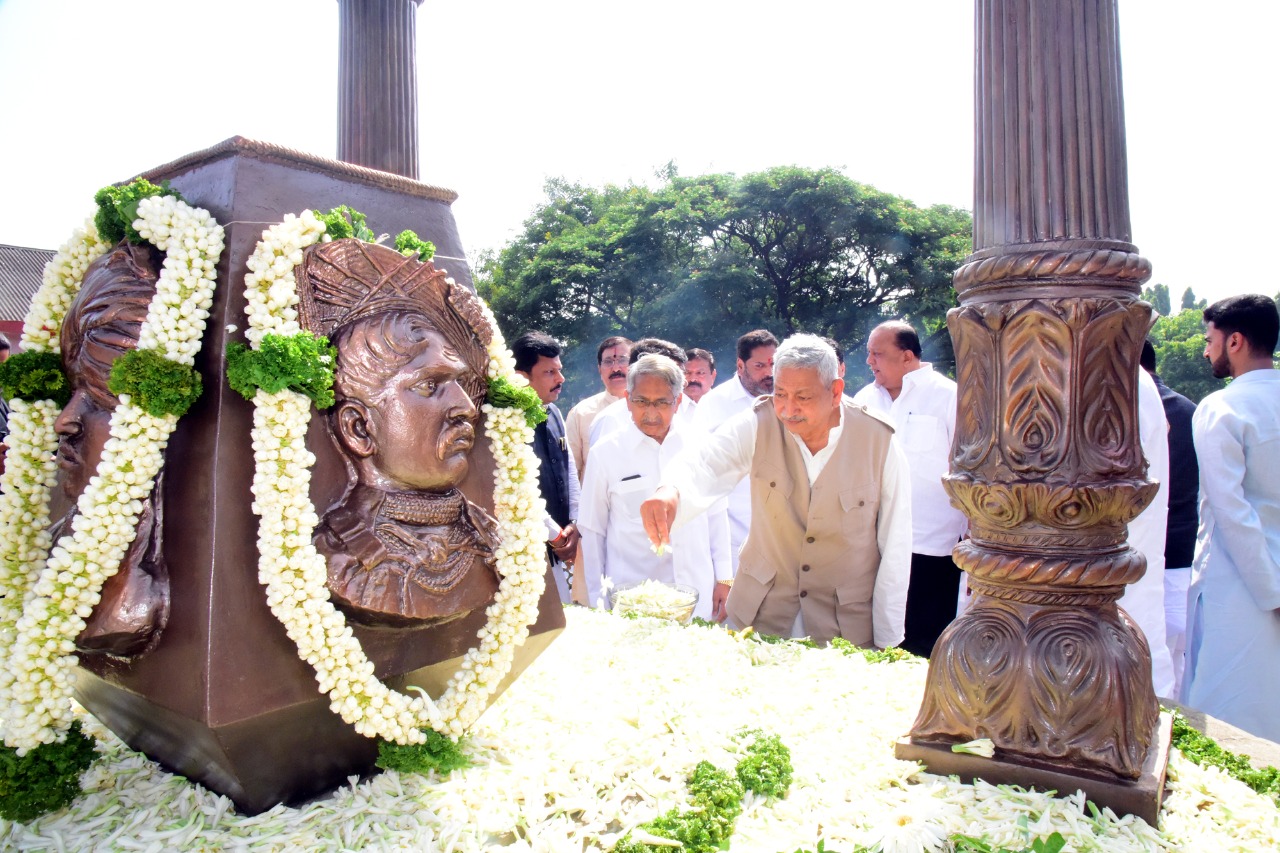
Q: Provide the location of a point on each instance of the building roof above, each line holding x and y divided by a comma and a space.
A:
20, 273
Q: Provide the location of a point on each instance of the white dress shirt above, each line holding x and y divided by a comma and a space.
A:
577, 427
718, 406
1144, 600
924, 416
616, 417
706, 473
625, 470
1233, 628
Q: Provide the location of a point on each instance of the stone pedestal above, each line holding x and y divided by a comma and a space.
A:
223, 697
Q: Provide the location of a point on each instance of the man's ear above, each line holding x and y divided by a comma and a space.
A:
354, 428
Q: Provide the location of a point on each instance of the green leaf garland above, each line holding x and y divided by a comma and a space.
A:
46, 778
409, 244
342, 222
34, 375
504, 395
302, 362
440, 753
118, 208
155, 384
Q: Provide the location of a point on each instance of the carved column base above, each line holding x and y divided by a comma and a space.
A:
1049, 685
1142, 796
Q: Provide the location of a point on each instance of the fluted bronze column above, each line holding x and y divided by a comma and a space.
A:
1046, 460
378, 85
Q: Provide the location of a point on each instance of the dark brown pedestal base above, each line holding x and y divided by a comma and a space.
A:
222, 697
1141, 797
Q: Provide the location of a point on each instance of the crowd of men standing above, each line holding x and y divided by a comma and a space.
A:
800, 510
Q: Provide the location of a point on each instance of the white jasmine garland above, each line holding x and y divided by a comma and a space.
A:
30, 465
59, 594
295, 574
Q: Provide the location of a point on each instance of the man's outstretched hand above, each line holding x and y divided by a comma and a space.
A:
657, 514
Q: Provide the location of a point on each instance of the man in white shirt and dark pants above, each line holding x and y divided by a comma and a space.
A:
921, 404
625, 468
1233, 626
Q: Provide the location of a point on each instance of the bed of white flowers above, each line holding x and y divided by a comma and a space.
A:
596, 737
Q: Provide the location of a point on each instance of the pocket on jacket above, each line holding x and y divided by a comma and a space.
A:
750, 586
853, 612
861, 505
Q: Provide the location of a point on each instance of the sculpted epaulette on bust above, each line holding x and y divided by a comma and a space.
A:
404, 545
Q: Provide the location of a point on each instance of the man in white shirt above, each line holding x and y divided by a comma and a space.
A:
625, 469
616, 416
612, 357
921, 403
1233, 627
829, 550
699, 372
753, 379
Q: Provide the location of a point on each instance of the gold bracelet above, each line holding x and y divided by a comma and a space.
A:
727, 582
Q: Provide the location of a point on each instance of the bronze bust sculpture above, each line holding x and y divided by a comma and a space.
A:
404, 545
102, 323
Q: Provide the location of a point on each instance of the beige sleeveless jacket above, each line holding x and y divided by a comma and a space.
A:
812, 549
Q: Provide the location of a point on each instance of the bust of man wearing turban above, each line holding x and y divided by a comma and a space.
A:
404, 545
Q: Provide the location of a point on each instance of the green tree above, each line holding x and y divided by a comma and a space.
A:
701, 260
1158, 296
1179, 344
1189, 301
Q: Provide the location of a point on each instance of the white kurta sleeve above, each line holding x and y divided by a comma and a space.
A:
718, 533
893, 535
575, 490
708, 470
1219, 438
593, 524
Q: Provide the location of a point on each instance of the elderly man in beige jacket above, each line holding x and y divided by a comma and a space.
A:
829, 549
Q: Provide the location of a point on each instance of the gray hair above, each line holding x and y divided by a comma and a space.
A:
659, 366
808, 351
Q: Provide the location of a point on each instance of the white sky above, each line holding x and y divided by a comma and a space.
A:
515, 91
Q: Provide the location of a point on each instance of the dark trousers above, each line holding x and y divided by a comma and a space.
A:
931, 601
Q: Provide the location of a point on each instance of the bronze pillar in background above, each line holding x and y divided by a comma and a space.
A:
378, 85
1046, 461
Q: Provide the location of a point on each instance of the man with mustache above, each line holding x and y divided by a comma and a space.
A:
616, 416
537, 356
829, 549
921, 403
404, 545
753, 379
625, 470
1233, 625
699, 373
612, 357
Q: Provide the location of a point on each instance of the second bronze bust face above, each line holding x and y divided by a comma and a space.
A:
404, 546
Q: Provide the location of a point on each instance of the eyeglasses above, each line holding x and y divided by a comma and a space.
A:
660, 405
615, 361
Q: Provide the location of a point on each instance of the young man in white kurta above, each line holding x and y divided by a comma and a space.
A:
1233, 646
625, 469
